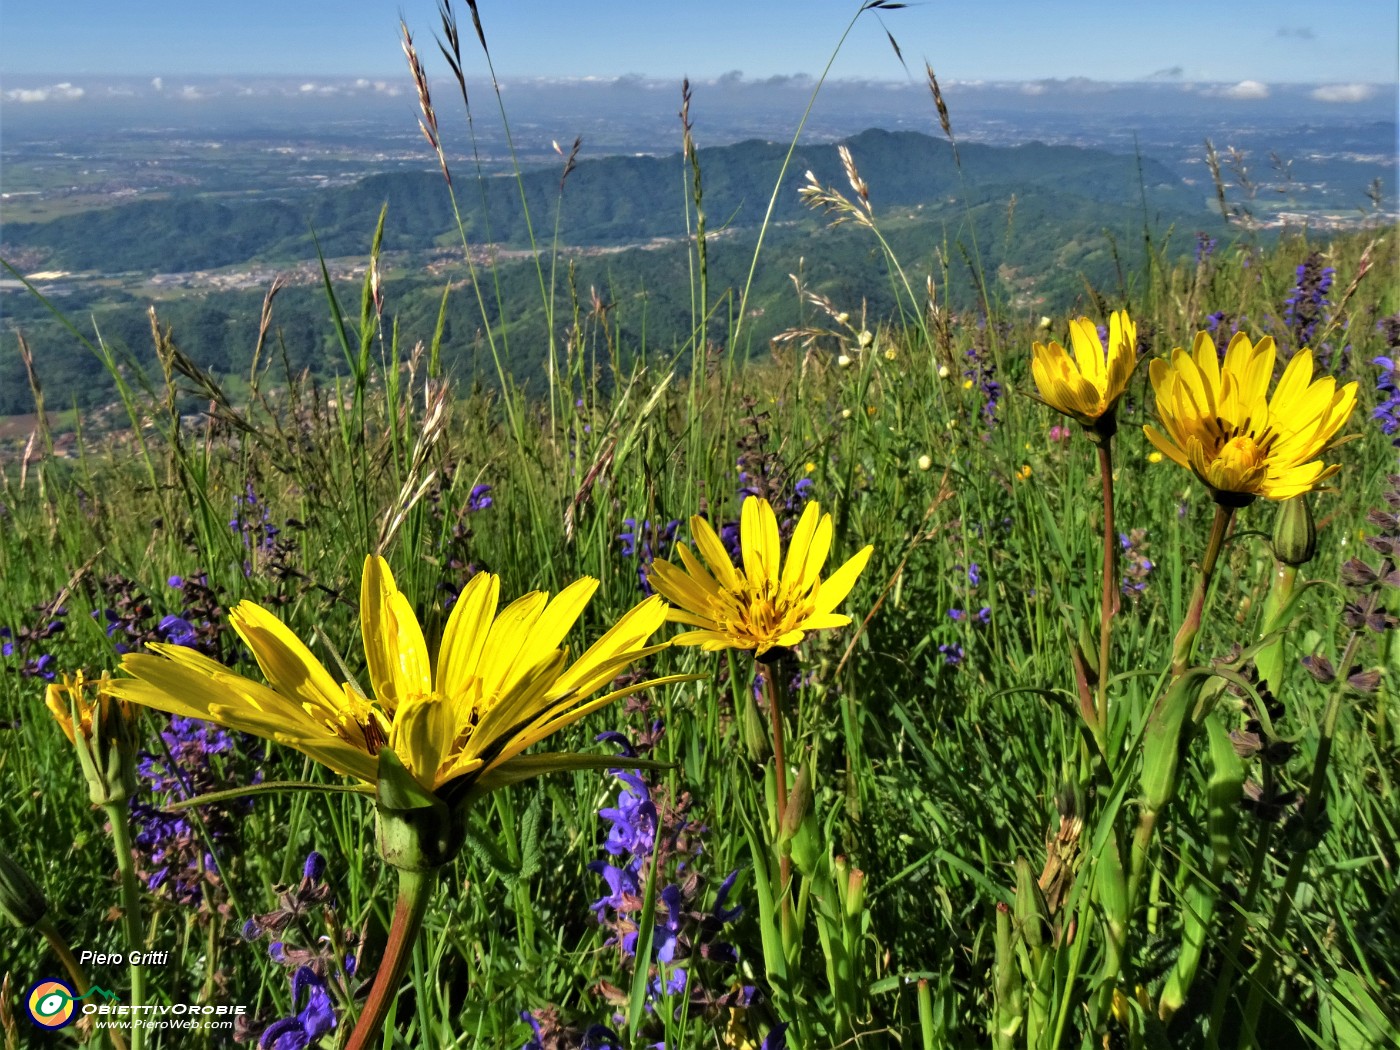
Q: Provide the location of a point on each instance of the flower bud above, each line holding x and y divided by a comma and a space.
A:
1032, 913
1295, 532
103, 731
21, 901
925, 462
799, 804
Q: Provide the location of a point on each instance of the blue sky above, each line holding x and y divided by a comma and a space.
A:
1196, 40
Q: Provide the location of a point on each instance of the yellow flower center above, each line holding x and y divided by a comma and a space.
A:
762, 614
1240, 455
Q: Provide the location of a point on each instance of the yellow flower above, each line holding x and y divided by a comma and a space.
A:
1024, 473
1087, 388
1154, 456
1220, 424
498, 685
91, 699
760, 606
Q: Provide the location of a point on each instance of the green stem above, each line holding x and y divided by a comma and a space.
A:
117, 816
775, 711
1109, 606
1191, 625
70, 964
415, 891
1313, 806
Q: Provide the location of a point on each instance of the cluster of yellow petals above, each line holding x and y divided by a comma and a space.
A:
1087, 386
768, 603
90, 698
1219, 422
500, 682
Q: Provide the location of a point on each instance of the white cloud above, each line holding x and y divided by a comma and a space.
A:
1344, 92
1246, 89
1036, 88
308, 88
64, 92
158, 83
190, 93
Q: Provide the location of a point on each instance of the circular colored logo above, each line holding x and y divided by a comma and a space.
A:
50, 1004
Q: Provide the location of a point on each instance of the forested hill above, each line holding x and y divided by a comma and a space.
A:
609, 201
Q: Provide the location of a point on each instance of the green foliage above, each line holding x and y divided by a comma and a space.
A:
967, 873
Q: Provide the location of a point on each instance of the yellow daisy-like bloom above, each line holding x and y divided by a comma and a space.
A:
498, 685
765, 605
1087, 387
1220, 423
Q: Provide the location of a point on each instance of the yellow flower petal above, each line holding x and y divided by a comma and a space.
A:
465, 635
286, 663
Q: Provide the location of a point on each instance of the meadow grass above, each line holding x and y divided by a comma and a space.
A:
955, 865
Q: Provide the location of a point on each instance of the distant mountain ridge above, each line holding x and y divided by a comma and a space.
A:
607, 201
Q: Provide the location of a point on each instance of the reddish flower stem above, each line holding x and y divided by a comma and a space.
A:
1191, 625
775, 711
415, 890
1110, 605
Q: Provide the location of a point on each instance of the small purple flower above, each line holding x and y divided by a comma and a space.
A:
974, 574
952, 654
479, 499
177, 631
252, 520
314, 869
312, 1021
646, 543
1137, 567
